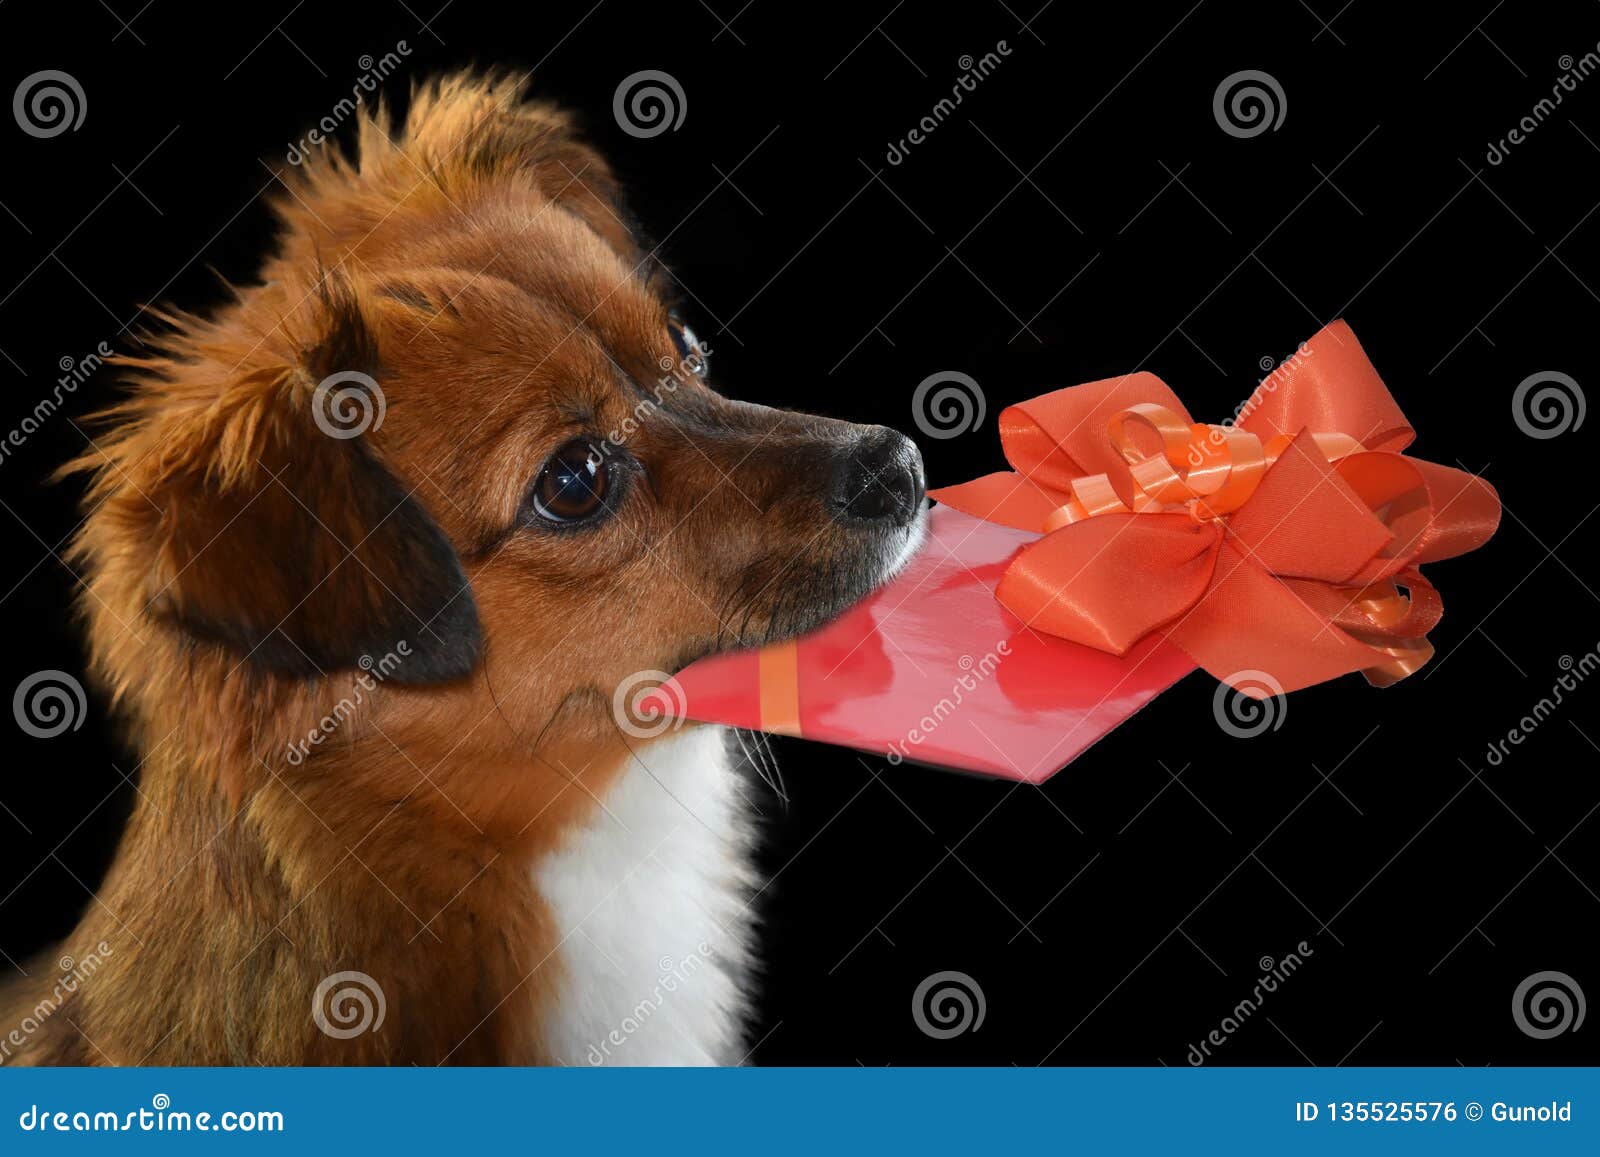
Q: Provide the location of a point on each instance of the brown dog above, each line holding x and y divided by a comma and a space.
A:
371, 557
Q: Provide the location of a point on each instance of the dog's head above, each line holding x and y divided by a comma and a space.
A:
460, 431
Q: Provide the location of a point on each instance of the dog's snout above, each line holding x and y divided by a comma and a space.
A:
879, 480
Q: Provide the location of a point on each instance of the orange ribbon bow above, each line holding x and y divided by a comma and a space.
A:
1276, 547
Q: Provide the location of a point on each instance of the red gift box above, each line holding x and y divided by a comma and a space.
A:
1129, 545
932, 669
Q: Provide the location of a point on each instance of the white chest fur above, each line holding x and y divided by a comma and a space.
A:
651, 897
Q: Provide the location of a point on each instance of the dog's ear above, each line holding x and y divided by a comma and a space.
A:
279, 533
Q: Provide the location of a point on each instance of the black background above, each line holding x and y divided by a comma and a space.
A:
1082, 214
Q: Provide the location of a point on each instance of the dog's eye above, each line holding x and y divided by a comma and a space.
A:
691, 353
572, 485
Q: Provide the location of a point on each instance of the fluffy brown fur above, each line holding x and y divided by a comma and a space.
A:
242, 568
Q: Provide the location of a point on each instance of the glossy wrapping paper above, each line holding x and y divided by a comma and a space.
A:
931, 669
1127, 545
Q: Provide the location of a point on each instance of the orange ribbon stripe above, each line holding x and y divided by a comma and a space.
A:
778, 676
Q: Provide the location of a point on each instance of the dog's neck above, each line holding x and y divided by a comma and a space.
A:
224, 909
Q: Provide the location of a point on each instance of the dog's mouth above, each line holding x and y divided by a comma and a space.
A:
783, 598
830, 596
852, 515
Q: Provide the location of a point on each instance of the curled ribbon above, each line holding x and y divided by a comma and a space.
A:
1286, 543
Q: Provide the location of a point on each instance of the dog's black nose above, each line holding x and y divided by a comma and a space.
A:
879, 479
